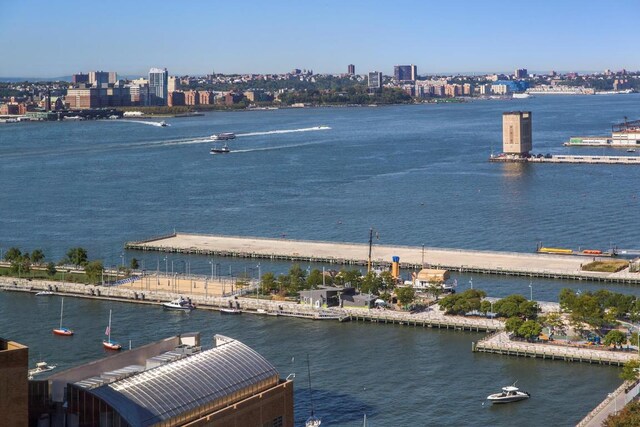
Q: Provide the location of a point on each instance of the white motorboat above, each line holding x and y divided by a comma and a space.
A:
509, 394
225, 136
179, 304
44, 293
40, 368
163, 124
230, 311
220, 150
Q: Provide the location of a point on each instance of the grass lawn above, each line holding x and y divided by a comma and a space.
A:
606, 266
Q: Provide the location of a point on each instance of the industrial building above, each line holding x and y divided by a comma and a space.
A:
516, 133
172, 382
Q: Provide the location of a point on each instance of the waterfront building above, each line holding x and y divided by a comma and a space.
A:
404, 73
175, 98
171, 382
467, 89
375, 81
14, 392
521, 73
351, 69
105, 95
207, 97
500, 89
158, 86
172, 85
139, 94
191, 97
517, 133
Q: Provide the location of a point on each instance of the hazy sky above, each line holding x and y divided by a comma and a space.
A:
55, 38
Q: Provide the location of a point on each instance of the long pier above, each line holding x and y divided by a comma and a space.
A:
469, 261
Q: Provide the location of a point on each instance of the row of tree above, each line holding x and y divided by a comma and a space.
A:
599, 309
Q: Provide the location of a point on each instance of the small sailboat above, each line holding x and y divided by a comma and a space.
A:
65, 332
108, 344
312, 421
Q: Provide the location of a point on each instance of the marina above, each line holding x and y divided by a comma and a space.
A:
485, 262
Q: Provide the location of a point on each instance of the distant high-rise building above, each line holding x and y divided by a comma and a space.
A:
405, 73
521, 73
375, 81
351, 69
80, 78
516, 133
99, 78
158, 85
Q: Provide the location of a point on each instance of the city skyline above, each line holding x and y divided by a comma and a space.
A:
255, 39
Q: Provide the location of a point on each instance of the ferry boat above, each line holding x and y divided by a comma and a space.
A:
225, 136
509, 394
220, 150
179, 304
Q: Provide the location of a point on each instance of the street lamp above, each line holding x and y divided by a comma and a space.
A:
259, 280
122, 257
471, 282
531, 291
166, 266
211, 262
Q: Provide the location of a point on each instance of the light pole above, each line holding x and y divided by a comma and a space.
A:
211, 262
122, 257
166, 266
530, 291
423, 255
471, 282
259, 280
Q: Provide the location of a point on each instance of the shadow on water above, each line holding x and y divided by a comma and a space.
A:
333, 408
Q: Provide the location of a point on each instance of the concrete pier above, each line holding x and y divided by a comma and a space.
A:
576, 159
471, 261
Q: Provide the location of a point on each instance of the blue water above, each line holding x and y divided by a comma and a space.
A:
417, 174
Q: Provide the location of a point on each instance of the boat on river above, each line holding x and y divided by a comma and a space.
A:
220, 150
225, 136
44, 293
509, 394
65, 332
40, 368
230, 311
179, 304
108, 344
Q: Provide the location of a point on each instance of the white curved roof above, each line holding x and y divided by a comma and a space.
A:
186, 384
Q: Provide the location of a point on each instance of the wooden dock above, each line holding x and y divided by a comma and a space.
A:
469, 261
499, 343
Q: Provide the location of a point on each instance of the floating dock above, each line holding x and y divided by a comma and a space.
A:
469, 261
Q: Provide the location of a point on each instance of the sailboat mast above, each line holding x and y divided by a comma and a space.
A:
109, 326
61, 311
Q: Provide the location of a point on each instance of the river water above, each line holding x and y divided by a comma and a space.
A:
417, 174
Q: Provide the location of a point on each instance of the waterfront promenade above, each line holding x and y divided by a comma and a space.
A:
473, 261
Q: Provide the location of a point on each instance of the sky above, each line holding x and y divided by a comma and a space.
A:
44, 38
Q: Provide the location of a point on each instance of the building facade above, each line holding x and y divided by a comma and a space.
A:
191, 97
14, 391
80, 78
102, 77
405, 73
158, 86
351, 69
517, 133
521, 73
375, 81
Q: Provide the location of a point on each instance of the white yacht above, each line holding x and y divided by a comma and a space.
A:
225, 136
179, 304
509, 394
40, 368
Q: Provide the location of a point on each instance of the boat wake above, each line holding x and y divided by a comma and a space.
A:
143, 122
277, 132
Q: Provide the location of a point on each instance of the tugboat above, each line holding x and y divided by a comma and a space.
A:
509, 394
220, 150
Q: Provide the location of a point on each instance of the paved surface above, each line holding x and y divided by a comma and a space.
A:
512, 261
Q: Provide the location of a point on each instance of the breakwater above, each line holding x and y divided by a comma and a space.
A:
470, 261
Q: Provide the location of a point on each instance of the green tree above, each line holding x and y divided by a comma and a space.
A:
567, 298
20, 265
406, 295
630, 370
513, 324
297, 279
37, 256
93, 270
388, 281
530, 330
554, 321
516, 305
351, 278
12, 254
629, 416
76, 256
51, 269
314, 279
371, 283
462, 303
134, 264
268, 283
587, 309
485, 306
615, 337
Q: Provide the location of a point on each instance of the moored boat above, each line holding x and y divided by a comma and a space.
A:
230, 311
44, 293
65, 332
40, 368
509, 394
108, 344
179, 304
